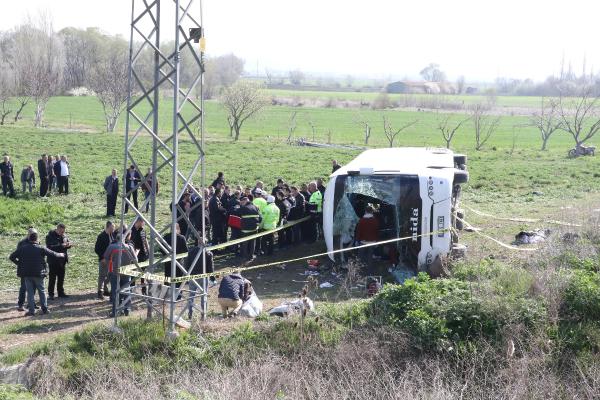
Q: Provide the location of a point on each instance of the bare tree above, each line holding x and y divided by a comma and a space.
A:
366, 125
460, 84
296, 77
6, 90
313, 126
108, 79
38, 54
433, 73
580, 116
242, 100
391, 133
448, 130
485, 125
547, 121
82, 49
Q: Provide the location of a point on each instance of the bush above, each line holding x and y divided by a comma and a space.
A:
437, 311
582, 297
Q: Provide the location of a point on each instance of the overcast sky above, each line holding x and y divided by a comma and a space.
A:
480, 39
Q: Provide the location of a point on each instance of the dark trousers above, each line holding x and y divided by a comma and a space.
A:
296, 232
218, 231
135, 201
43, 186
22, 292
235, 234
111, 204
123, 299
258, 244
248, 247
56, 276
267, 243
63, 184
8, 187
310, 233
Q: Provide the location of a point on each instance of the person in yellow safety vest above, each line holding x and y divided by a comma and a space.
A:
315, 208
270, 217
260, 203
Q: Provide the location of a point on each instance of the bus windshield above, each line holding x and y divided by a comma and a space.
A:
397, 201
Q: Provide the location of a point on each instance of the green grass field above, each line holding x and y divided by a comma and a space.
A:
501, 178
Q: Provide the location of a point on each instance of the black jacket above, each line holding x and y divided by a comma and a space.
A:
215, 210
137, 178
138, 238
284, 208
250, 217
232, 287
31, 260
42, 169
297, 210
54, 242
7, 170
198, 265
102, 242
180, 247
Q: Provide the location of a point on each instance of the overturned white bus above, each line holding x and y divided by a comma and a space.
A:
416, 191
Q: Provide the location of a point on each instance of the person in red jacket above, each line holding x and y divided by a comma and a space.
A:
367, 231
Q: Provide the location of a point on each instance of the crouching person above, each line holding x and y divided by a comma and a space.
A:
30, 258
233, 291
111, 256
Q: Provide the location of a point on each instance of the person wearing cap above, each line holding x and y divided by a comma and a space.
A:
30, 258
259, 185
270, 220
251, 220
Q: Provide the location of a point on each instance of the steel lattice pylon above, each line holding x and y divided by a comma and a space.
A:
156, 67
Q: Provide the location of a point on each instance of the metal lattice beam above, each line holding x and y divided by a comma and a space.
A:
149, 141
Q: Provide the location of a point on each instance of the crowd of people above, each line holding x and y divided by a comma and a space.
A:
230, 212
53, 173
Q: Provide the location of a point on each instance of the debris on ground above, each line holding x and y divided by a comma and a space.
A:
570, 237
293, 307
531, 237
252, 307
326, 285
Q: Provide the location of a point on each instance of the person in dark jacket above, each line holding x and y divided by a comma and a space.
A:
297, 212
30, 259
233, 291
194, 264
140, 245
22, 287
335, 166
7, 176
151, 179
111, 186
57, 241
132, 180
180, 248
232, 209
104, 239
284, 211
62, 172
28, 178
43, 174
251, 219
278, 187
220, 179
217, 214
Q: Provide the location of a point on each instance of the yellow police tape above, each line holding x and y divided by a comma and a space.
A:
129, 270
221, 245
513, 219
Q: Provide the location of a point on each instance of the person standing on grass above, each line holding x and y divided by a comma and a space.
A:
104, 239
217, 213
61, 170
7, 175
296, 213
132, 179
22, 288
111, 186
43, 174
30, 258
57, 241
147, 187
51, 176
219, 179
140, 245
111, 259
233, 291
335, 166
28, 178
